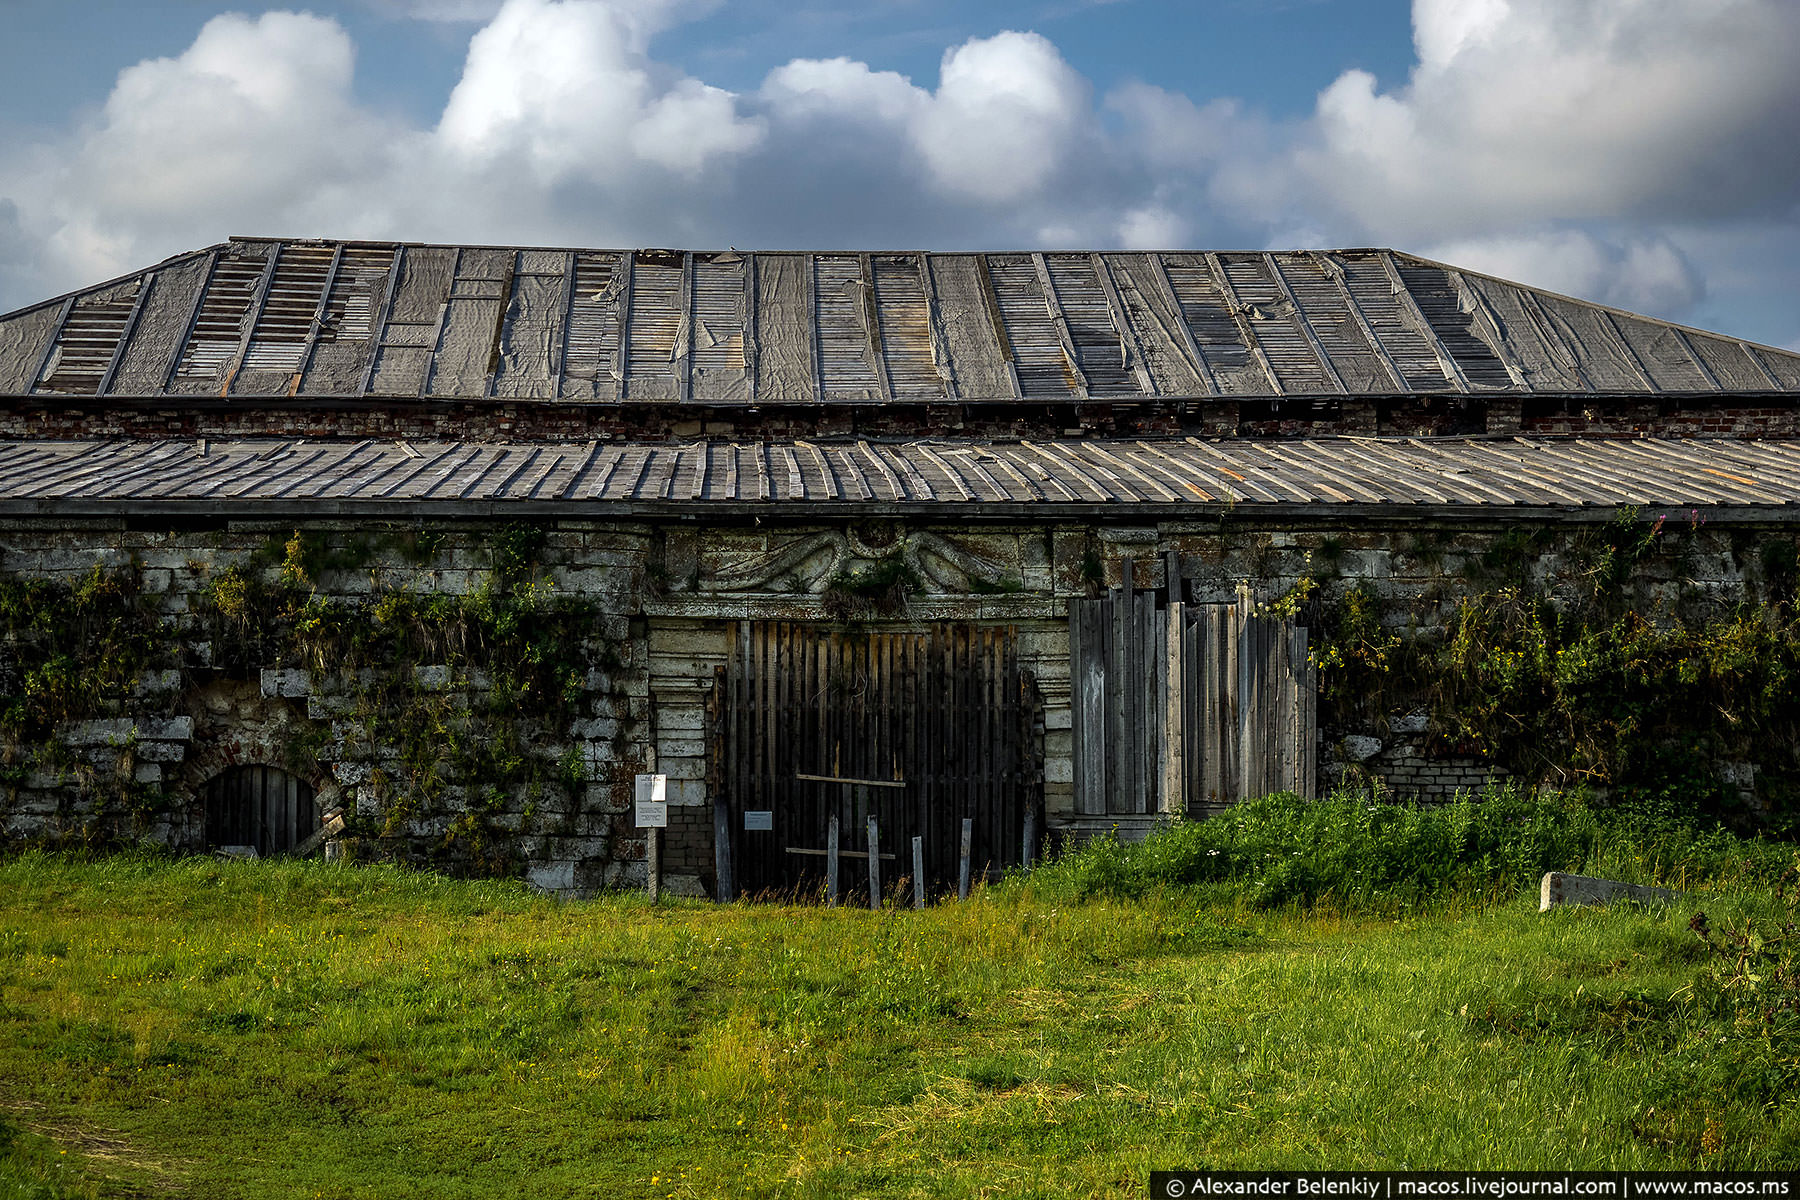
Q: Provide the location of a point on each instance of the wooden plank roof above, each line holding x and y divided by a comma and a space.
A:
271, 319
1041, 479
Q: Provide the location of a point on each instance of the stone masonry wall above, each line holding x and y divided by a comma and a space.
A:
134, 769
655, 606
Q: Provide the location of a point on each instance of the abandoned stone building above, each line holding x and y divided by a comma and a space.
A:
453, 543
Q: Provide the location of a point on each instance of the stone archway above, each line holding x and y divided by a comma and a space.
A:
236, 726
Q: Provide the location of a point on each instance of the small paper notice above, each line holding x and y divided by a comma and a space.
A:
652, 802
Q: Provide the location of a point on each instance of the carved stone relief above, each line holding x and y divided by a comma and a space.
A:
807, 562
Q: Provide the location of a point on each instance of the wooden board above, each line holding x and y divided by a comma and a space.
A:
917, 728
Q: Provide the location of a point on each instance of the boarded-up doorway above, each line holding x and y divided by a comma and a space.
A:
1187, 707
919, 728
259, 806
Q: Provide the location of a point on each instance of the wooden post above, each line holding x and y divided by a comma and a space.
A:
1027, 856
832, 892
962, 872
653, 861
722, 888
1174, 737
874, 863
918, 872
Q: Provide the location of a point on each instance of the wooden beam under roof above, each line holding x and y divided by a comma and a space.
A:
1335, 273
1611, 326
813, 348
259, 297
1484, 316
1312, 337
1409, 305
934, 328
1706, 372
378, 328
1195, 352
317, 324
1236, 307
683, 350
187, 333
871, 316
1060, 323
621, 364
559, 368
146, 281
1129, 348
749, 348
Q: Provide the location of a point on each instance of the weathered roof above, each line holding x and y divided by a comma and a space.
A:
264, 318
1044, 478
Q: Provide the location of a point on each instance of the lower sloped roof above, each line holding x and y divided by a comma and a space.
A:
1037, 479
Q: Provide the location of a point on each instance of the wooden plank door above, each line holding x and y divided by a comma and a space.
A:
1181, 707
918, 728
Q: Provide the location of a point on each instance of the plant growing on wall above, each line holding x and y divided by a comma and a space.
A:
75, 650
1598, 683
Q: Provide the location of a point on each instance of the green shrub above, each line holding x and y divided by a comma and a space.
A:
1361, 852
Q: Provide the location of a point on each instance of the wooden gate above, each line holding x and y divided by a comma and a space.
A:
918, 728
1183, 707
259, 806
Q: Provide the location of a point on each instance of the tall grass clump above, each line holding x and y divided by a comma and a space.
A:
1374, 852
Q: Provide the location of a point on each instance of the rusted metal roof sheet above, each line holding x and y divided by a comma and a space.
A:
351, 320
1175, 475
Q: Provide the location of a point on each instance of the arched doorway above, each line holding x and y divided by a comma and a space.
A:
259, 806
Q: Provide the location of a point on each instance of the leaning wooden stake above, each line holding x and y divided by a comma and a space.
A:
962, 872
832, 892
874, 863
918, 872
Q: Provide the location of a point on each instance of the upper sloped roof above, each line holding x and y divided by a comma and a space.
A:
256, 318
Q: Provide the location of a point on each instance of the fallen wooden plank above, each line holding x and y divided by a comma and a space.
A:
333, 826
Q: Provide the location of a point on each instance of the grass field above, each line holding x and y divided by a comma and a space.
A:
295, 1029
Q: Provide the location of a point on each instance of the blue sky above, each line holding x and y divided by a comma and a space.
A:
1634, 152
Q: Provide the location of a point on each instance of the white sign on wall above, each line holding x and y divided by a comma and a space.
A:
652, 801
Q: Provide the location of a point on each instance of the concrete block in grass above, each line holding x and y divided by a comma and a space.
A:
1560, 889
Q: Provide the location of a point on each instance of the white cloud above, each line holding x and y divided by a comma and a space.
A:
253, 126
1007, 112
568, 87
1525, 111
1622, 150
1646, 274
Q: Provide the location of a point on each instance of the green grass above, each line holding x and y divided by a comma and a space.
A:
296, 1029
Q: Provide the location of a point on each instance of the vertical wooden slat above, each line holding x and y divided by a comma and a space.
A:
1118, 771
1150, 694
1174, 773
966, 847
832, 878
918, 859
874, 863
724, 770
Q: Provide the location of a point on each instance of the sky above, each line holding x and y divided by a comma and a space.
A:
1640, 153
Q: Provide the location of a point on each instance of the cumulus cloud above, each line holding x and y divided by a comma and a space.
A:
1646, 274
1524, 111
253, 125
568, 87
1608, 149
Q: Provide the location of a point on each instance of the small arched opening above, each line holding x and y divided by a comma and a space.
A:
260, 806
